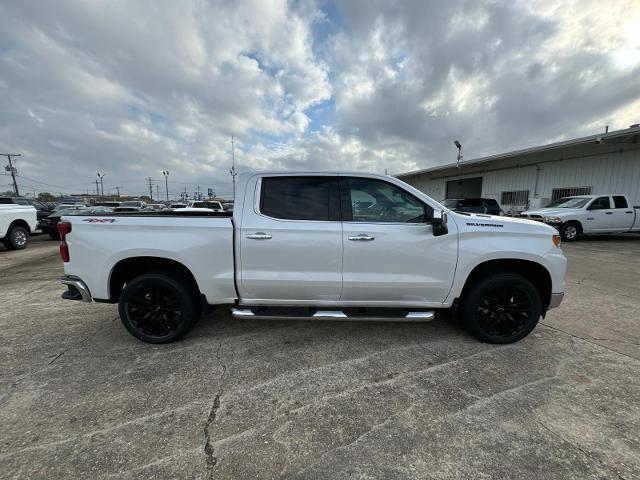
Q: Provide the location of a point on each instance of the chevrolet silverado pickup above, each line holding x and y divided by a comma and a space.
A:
334, 246
17, 222
589, 215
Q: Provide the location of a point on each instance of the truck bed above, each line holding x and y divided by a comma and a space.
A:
202, 242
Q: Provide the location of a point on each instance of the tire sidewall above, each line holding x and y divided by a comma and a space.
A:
470, 319
189, 305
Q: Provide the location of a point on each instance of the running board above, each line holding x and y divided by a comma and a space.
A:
336, 315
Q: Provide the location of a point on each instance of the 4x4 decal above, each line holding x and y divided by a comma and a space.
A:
99, 220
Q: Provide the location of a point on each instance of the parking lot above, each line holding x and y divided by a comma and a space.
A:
81, 398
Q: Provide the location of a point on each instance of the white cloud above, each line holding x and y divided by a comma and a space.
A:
132, 88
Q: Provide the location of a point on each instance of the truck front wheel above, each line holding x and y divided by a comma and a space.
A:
570, 231
501, 308
158, 307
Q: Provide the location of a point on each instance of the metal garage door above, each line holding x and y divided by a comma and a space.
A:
465, 188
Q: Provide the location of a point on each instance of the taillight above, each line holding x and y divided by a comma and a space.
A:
63, 229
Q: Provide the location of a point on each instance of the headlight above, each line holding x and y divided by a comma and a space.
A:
552, 220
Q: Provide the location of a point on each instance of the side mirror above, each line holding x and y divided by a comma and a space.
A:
439, 222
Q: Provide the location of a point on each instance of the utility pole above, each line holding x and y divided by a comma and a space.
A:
118, 191
101, 176
166, 181
10, 168
157, 191
97, 188
233, 168
150, 182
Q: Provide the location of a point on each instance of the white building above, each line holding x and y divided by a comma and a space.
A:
607, 163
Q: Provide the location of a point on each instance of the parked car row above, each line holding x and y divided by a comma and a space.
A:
20, 217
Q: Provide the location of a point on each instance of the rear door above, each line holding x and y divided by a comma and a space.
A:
622, 214
600, 216
291, 241
391, 257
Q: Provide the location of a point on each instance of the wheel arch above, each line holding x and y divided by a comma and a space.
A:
536, 273
577, 222
129, 268
19, 223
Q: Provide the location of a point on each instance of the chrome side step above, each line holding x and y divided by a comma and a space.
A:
238, 312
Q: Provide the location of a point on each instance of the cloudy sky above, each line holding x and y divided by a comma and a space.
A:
130, 88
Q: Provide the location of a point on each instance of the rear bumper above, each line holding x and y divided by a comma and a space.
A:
76, 289
556, 299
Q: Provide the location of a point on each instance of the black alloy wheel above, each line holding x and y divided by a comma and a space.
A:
502, 308
158, 307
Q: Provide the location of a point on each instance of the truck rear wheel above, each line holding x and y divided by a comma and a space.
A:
502, 308
17, 238
158, 307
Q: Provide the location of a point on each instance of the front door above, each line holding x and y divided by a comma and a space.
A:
291, 241
600, 217
391, 257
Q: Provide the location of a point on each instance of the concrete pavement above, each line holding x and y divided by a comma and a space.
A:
79, 397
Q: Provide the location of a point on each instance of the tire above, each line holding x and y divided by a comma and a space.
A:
159, 307
501, 308
569, 231
17, 238
54, 235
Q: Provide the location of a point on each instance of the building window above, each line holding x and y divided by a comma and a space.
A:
558, 193
519, 197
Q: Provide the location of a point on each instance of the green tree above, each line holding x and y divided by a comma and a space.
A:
46, 197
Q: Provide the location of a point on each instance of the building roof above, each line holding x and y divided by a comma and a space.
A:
632, 131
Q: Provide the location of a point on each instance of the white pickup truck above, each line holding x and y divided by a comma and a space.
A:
337, 246
589, 215
16, 224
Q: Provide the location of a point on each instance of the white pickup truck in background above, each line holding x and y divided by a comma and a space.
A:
589, 215
17, 222
335, 246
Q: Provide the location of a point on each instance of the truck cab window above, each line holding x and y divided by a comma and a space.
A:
620, 201
300, 198
600, 203
375, 201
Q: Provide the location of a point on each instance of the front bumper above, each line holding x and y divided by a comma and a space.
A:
556, 300
76, 289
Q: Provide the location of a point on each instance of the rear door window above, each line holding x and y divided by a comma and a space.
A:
619, 201
300, 198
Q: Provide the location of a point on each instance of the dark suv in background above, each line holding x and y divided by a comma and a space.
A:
473, 205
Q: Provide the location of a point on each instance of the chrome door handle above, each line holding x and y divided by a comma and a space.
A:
363, 237
608, 213
259, 236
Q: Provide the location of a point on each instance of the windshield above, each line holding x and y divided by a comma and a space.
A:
206, 205
569, 202
450, 202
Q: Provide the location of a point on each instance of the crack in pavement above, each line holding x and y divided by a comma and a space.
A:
593, 340
213, 412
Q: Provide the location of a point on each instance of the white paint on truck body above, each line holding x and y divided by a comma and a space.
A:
312, 263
